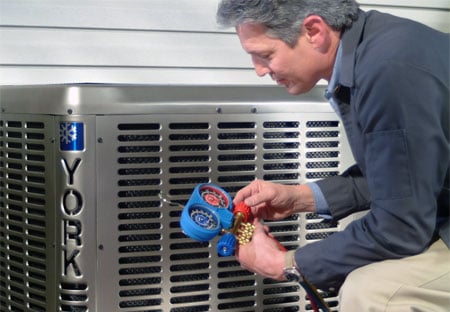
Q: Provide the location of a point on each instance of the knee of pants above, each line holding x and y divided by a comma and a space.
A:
362, 291
356, 286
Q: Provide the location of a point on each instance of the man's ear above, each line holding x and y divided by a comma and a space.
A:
317, 32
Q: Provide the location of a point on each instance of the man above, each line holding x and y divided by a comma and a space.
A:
389, 82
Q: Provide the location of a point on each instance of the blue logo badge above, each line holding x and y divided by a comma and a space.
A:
71, 136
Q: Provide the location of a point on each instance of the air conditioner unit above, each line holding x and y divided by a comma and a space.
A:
82, 170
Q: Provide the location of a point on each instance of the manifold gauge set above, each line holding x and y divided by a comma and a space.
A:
210, 212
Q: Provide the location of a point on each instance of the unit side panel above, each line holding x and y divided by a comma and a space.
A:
147, 262
27, 213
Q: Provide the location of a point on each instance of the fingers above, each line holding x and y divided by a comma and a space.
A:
254, 255
261, 233
256, 194
259, 227
244, 193
264, 230
258, 230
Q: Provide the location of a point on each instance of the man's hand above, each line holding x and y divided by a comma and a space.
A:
263, 254
271, 201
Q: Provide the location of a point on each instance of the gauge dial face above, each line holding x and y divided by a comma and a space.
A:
213, 197
203, 218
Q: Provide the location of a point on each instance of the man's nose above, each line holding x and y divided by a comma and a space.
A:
260, 68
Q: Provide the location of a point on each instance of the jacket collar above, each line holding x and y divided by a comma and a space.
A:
350, 40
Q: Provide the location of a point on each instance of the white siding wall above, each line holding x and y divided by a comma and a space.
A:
141, 41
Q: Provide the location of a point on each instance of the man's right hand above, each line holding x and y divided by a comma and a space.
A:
272, 201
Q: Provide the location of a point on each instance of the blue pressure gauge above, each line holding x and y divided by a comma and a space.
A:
207, 212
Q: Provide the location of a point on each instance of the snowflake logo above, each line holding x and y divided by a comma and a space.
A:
71, 136
67, 132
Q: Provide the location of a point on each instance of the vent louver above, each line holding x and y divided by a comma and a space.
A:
24, 215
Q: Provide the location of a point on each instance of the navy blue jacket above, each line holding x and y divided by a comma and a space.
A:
393, 96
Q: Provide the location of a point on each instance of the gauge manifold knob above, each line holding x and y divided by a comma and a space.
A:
226, 245
244, 210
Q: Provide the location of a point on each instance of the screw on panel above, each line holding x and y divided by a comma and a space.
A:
69, 111
218, 110
253, 110
100, 140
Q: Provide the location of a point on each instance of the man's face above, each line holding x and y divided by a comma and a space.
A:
298, 69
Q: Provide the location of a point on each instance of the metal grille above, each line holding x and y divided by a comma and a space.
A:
160, 269
24, 217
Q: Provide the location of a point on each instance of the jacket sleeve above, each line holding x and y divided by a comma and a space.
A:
346, 193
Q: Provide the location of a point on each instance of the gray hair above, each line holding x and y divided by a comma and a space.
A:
283, 18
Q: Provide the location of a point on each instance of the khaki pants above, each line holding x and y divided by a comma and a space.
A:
419, 283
